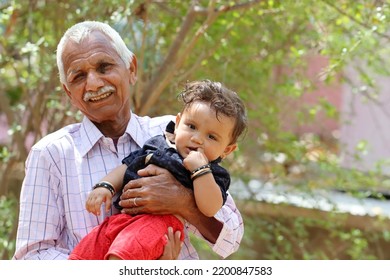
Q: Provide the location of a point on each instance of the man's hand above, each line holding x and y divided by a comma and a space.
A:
157, 192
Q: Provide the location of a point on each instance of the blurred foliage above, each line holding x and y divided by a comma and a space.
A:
8, 215
305, 238
260, 48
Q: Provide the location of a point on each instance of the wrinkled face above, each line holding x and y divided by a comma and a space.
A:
97, 81
198, 127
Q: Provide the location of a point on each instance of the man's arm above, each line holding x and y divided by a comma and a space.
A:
161, 193
40, 222
230, 236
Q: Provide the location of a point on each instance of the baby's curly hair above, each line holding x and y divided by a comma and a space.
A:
221, 99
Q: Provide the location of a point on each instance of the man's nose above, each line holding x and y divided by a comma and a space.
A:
94, 82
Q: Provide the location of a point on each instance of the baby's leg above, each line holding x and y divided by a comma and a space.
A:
144, 238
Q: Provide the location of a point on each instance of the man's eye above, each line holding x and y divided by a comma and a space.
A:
103, 67
78, 77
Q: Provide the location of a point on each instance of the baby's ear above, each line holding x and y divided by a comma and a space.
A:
178, 118
228, 150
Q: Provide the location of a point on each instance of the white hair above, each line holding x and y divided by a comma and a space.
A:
78, 32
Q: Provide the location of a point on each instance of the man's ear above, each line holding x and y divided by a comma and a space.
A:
67, 91
133, 70
228, 150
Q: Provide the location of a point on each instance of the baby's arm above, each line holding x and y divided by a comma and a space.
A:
101, 194
207, 193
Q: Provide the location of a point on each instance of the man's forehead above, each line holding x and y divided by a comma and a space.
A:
92, 36
94, 60
92, 51
94, 42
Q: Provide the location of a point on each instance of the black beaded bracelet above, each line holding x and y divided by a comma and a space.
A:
200, 174
105, 185
200, 168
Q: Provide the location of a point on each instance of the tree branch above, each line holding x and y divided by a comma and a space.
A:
366, 26
140, 72
228, 8
176, 57
153, 87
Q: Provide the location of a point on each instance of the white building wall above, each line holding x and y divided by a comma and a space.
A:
365, 116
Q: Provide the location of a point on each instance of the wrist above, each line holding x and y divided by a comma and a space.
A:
106, 185
200, 171
207, 165
188, 207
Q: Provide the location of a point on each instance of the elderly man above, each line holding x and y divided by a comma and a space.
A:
98, 73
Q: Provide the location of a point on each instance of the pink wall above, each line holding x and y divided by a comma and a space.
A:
325, 126
365, 117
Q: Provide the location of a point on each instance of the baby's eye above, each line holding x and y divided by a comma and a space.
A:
212, 137
191, 126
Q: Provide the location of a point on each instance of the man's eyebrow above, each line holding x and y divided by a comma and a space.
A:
105, 60
101, 60
75, 70
98, 62
72, 71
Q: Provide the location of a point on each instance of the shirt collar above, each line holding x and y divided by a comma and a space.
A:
135, 131
90, 134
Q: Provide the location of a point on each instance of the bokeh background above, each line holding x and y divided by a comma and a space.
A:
311, 174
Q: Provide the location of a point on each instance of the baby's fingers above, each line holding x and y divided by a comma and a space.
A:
96, 208
93, 205
89, 205
108, 203
200, 150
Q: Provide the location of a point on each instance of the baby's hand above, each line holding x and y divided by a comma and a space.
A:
95, 200
195, 159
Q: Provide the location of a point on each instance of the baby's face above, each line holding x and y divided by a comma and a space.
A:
198, 127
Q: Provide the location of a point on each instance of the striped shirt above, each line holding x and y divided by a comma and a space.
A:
61, 170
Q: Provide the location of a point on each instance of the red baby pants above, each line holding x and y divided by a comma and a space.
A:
140, 237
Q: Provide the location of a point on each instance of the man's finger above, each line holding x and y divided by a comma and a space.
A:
133, 184
132, 211
151, 170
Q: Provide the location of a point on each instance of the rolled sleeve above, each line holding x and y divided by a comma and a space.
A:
232, 231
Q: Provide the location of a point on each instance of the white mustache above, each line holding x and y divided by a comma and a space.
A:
91, 94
